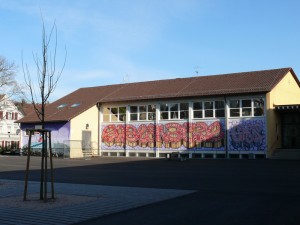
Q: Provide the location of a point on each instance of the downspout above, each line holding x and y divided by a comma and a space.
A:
226, 128
98, 132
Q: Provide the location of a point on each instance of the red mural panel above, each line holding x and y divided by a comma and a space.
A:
170, 135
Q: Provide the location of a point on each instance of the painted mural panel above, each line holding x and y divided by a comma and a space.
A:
132, 136
247, 135
60, 133
200, 135
208, 135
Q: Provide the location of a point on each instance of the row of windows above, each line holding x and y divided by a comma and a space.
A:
9, 115
173, 111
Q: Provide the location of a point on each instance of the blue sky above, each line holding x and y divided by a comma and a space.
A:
108, 41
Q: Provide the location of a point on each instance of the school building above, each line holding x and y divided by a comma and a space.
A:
238, 115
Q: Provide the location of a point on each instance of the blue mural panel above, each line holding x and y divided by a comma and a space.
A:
60, 133
247, 135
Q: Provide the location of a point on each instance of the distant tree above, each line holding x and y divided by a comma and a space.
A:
8, 84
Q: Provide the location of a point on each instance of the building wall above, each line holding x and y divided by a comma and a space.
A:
219, 135
286, 92
78, 125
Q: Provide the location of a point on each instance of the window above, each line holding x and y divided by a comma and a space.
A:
219, 109
9, 115
142, 112
197, 110
259, 106
246, 107
61, 106
164, 111
170, 111
208, 109
114, 114
75, 105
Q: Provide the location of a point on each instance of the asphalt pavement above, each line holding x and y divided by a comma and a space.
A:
228, 191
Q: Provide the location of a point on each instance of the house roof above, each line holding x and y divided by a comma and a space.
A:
82, 99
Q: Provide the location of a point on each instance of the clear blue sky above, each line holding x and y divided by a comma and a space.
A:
139, 40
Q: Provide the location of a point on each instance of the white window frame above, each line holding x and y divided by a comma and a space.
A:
138, 112
178, 111
204, 109
118, 114
252, 113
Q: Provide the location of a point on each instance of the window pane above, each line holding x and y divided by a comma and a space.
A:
259, 102
114, 111
234, 112
184, 106
143, 108
114, 118
106, 110
208, 105
151, 108
122, 117
234, 104
151, 116
219, 105
164, 115
258, 111
246, 103
143, 116
173, 107
220, 113
197, 105
246, 111
209, 113
198, 114
164, 107
133, 116
174, 115
184, 114
122, 110
133, 109
106, 118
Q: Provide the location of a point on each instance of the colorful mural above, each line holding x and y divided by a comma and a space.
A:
247, 135
60, 132
201, 135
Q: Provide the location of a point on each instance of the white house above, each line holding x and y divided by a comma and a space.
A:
10, 136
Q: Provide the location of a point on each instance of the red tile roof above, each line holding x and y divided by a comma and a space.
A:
200, 86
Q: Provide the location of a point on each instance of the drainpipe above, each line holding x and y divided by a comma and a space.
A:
226, 128
99, 133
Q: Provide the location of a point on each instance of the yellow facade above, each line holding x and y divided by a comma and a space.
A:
86, 121
286, 92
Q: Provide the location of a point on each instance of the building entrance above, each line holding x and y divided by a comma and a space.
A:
291, 130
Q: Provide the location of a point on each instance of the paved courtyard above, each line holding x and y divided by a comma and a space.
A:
155, 191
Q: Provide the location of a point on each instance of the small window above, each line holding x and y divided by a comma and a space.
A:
75, 105
62, 106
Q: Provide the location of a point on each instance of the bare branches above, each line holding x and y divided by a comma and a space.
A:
8, 84
46, 72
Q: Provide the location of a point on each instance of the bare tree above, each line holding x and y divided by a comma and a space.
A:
8, 84
47, 80
47, 73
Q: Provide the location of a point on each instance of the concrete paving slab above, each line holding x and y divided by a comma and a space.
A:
74, 203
